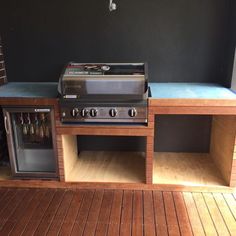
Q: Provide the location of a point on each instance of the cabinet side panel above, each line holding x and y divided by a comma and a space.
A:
222, 144
70, 153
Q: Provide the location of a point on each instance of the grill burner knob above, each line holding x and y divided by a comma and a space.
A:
84, 112
93, 112
113, 112
133, 112
75, 112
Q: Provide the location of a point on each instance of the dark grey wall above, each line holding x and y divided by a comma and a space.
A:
182, 41
232, 46
174, 133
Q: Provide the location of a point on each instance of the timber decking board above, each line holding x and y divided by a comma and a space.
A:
24, 220
39, 213
92, 220
215, 214
171, 216
159, 211
183, 219
226, 213
115, 212
61, 213
82, 216
115, 217
149, 219
208, 224
72, 213
50, 213
126, 214
17, 214
194, 218
137, 225
104, 214
231, 201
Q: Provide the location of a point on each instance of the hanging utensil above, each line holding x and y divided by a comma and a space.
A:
31, 126
36, 121
41, 127
24, 125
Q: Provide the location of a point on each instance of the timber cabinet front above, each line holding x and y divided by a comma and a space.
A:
52, 152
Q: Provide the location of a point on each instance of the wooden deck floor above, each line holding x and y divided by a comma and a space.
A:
107, 212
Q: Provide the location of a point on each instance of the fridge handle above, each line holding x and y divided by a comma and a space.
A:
6, 125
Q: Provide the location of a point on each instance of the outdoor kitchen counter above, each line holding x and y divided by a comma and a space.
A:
29, 90
23, 93
191, 98
167, 98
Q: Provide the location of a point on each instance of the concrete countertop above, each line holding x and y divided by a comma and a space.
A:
190, 91
158, 90
29, 90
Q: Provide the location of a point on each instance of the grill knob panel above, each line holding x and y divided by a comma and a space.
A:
84, 112
113, 112
93, 112
133, 112
74, 112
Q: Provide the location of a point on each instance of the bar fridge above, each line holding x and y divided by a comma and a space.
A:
31, 141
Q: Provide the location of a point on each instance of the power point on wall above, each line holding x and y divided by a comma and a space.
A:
112, 6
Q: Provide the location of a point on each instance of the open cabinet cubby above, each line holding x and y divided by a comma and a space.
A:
201, 169
101, 166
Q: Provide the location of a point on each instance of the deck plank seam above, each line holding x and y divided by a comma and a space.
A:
62, 221
229, 206
45, 212
14, 222
32, 213
154, 214
110, 212
90, 205
222, 214
23, 232
76, 192
198, 213
122, 202
187, 212
13, 210
210, 213
55, 213
175, 211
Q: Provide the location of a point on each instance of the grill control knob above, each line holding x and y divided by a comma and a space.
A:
93, 112
75, 112
113, 112
84, 112
133, 112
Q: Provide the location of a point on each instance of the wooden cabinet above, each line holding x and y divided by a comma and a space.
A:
147, 169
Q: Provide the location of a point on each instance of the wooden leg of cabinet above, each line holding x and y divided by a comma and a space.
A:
149, 159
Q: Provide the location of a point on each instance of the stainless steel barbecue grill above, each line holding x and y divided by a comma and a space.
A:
105, 92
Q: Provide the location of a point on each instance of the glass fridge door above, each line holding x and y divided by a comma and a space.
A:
32, 142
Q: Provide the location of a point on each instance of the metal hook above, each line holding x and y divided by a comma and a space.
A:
112, 6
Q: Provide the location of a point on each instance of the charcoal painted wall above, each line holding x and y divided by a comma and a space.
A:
232, 47
182, 41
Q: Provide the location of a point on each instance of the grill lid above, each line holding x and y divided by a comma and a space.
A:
101, 80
